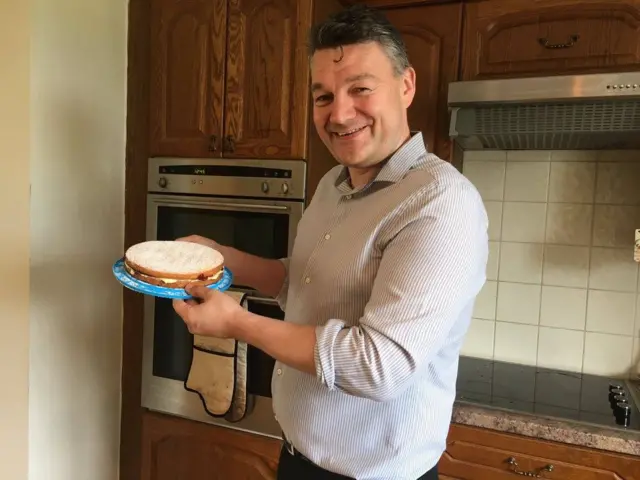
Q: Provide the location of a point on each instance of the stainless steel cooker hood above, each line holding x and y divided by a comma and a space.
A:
596, 111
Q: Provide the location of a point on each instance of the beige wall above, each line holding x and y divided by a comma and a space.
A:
563, 290
14, 237
65, 73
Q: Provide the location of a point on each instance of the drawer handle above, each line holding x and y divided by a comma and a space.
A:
514, 468
551, 46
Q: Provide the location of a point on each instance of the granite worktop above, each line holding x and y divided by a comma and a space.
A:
543, 427
555, 405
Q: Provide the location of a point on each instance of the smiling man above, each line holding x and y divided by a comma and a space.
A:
380, 286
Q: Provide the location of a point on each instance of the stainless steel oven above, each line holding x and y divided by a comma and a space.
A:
253, 205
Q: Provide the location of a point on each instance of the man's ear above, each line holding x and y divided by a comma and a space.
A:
408, 86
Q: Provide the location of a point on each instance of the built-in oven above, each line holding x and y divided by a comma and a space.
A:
252, 205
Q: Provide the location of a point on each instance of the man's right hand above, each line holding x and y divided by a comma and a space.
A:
265, 275
201, 240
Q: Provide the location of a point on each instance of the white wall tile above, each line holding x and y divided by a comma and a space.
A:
561, 349
611, 312
518, 303
560, 267
574, 156
572, 182
523, 222
566, 266
618, 183
516, 343
487, 177
563, 307
485, 155
528, 155
634, 371
494, 212
613, 269
618, 155
569, 223
527, 181
485, 304
607, 354
493, 260
614, 225
521, 262
636, 330
479, 339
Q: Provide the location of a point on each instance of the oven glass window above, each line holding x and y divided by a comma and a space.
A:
260, 233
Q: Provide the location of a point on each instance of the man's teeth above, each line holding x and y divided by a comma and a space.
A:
344, 134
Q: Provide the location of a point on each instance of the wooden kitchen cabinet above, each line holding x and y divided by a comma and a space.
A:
511, 38
480, 454
432, 36
177, 449
229, 78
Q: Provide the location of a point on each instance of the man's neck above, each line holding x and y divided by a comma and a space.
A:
359, 177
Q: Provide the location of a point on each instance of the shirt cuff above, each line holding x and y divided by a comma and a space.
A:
326, 336
281, 297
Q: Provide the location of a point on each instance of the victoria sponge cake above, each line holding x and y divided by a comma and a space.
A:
174, 264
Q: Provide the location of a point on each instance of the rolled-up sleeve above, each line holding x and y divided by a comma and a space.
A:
431, 268
282, 295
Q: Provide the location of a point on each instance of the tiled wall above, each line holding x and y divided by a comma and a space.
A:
562, 289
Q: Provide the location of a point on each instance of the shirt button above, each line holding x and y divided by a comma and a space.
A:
307, 280
279, 371
348, 197
327, 236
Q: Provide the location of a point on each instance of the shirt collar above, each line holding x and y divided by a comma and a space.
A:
396, 167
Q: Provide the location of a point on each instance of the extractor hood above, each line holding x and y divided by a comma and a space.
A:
595, 111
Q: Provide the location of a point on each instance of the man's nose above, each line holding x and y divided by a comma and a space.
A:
342, 109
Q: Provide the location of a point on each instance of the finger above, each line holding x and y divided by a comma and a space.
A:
197, 291
182, 308
188, 238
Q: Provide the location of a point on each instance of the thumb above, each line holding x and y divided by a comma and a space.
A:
198, 291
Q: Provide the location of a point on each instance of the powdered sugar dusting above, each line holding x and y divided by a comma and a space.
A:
174, 257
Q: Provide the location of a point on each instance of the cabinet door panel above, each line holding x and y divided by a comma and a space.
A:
267, 78
431, 35
187, 77
550, 37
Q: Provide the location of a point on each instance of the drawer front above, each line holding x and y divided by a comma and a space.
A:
533, 38
477, 454
460, 454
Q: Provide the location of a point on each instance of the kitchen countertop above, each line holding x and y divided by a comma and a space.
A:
554, 405
546, 428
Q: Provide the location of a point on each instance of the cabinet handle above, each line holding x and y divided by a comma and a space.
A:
551, 46
514, 468
229, 144
213, 143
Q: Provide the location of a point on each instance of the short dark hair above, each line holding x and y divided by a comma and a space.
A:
360, 24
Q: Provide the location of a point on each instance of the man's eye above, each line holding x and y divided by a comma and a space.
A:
323, 99
361, 90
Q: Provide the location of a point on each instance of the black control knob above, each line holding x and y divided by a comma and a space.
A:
614, 385
162, 182
612, 393
622, 412
618, 399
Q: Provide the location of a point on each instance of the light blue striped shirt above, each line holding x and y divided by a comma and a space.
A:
388, 274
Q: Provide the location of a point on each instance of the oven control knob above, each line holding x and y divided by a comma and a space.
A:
265, 187
285, 188
162, 181
622, 413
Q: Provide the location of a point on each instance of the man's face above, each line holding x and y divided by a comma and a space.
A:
360, 105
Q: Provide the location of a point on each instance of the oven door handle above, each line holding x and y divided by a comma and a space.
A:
263, 300
228, 205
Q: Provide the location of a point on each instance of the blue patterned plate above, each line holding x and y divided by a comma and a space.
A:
163, 292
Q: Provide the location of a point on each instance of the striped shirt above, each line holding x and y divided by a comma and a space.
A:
388, 274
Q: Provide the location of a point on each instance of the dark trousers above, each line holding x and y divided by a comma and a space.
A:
296, 467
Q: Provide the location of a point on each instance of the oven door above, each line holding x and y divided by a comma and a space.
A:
265, 228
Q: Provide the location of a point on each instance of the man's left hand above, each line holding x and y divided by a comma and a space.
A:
213, 316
